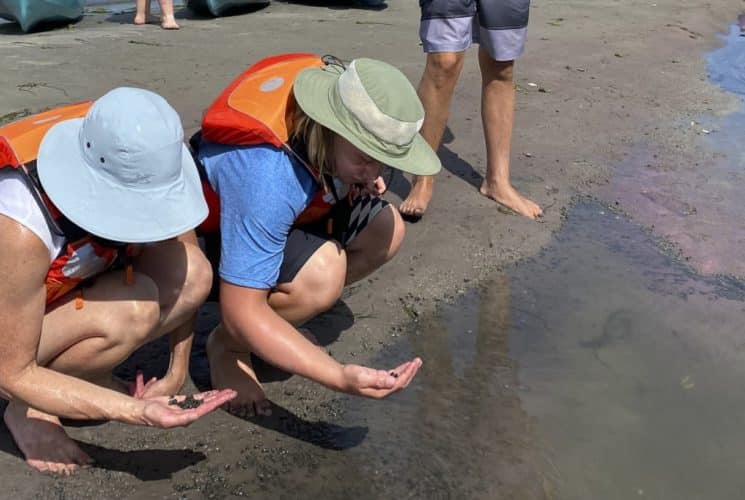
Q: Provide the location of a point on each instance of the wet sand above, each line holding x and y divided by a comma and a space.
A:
609, 76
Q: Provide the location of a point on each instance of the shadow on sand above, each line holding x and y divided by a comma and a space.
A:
153, 360
322, 434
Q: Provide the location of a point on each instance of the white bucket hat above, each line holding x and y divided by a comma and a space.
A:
123, 172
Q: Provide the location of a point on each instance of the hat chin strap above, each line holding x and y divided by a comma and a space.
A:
359, 103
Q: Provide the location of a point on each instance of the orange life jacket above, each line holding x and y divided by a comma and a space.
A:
258, 108
83, 256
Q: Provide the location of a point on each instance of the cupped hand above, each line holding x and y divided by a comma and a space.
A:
378, 384
154, 387
158, 412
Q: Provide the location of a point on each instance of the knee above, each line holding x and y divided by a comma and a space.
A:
198, 279
387, 231
397, 233
444, 67
321, 280
138, 317
502, 71
505, 71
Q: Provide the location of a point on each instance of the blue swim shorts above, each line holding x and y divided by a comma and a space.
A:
500, 26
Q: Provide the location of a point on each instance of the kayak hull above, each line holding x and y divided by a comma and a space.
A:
30, 13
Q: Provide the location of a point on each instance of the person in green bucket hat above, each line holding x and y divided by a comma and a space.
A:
300, 222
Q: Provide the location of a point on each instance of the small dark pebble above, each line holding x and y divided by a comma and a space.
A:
188, 403
394, 374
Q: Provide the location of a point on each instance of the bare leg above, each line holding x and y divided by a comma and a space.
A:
436, 92
497, 113
167, 19
376, 245
143, 11
315, 289
230, 366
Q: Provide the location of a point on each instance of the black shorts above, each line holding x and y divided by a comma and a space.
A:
342, 224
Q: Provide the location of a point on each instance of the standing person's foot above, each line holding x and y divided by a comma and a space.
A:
169, 23
414, 206
511, 199
43, 441
233, 370
143, 13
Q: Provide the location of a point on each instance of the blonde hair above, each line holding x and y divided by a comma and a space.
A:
318, 140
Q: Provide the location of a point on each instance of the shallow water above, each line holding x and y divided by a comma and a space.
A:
631, 365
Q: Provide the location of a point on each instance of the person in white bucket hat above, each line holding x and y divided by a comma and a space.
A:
80, 292
302, 219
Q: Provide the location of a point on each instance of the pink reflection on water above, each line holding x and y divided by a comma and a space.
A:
698, 206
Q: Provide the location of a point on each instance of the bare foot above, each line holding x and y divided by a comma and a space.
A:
416, 203
511, 199
142, 12
169, 23
233, 370
43, 441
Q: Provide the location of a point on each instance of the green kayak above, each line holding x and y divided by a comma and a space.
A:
29, 13
218, 7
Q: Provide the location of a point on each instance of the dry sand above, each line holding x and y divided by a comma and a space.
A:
610, 75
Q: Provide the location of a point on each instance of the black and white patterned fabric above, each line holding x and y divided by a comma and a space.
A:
364, 209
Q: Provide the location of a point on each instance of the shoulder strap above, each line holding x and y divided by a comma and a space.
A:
31, 178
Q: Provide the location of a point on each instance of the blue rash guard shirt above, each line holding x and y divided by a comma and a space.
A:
262, 191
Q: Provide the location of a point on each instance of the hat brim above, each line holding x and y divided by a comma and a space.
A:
312, 89
112, 211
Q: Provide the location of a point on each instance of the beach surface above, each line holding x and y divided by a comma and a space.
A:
604, 88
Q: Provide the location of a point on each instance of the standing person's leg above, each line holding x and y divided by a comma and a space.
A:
436, 92
143, 11
446, 32
167, 19
503, 27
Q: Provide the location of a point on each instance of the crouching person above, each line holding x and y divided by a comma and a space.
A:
98, 257
294, 149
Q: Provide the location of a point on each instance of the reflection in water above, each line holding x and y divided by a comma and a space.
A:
457, 432
633, 372
467, 420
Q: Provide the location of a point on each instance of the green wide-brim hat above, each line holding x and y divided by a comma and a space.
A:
372, 105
